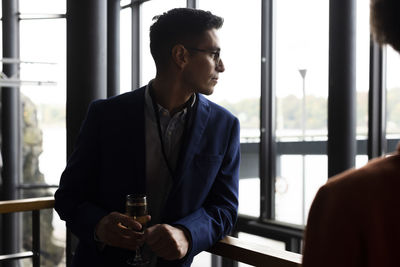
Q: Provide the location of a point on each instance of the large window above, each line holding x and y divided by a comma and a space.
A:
43, 94
300, 40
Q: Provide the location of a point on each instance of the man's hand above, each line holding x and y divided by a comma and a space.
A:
119, 230
166, 241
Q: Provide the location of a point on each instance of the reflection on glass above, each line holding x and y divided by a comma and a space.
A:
238, 88
149, 10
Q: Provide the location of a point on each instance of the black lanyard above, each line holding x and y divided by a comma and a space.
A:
188, 106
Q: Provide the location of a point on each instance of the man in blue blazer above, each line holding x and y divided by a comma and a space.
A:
165, 140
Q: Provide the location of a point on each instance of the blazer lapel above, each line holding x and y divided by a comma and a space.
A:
200, 119
135, 139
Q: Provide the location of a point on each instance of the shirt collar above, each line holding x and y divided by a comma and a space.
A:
149, 102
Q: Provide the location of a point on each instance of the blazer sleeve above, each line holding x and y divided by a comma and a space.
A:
332, 236
74, 197
216, 218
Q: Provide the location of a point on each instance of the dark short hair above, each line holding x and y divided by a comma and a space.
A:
179, 26
385, 24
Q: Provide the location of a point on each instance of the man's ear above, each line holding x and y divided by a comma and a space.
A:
179, 55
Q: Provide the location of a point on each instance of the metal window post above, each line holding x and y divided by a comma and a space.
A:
377, 101
267, 115
136, 47
192, 3
11, 130
86, 69
113, 39
342, 86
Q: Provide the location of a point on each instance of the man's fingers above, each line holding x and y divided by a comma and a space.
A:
119, 230
153, 234
167, 241
127, 221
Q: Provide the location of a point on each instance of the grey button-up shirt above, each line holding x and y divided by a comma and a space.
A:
159, 180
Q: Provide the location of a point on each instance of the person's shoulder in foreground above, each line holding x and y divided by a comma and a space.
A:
353, 218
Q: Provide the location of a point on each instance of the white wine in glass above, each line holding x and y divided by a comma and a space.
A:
136, 207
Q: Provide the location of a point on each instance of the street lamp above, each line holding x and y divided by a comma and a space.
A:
303, 73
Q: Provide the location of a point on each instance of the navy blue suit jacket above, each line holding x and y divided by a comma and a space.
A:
109, 162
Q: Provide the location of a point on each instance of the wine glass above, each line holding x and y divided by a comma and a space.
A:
136, 207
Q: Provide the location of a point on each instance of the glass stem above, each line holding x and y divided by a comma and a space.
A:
138, 257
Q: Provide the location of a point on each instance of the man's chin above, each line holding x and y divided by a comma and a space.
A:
207, 91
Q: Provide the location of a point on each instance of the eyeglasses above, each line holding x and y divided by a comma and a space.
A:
215, 53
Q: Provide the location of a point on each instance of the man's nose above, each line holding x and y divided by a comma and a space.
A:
220, 66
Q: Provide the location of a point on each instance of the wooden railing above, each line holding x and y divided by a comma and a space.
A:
254, 254
34, 205
230, 247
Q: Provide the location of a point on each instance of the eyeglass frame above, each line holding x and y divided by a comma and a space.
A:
216, 53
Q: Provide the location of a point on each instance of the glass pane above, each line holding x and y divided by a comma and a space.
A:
149, 10
249, 196
302, 69
393, 94
126, 50
43, 6
44, 42
239, 86
302, 54
297, 185
316, 174
289, 190
43, 95
292, 203
362, 73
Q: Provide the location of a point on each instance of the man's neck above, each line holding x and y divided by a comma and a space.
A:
170, 95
